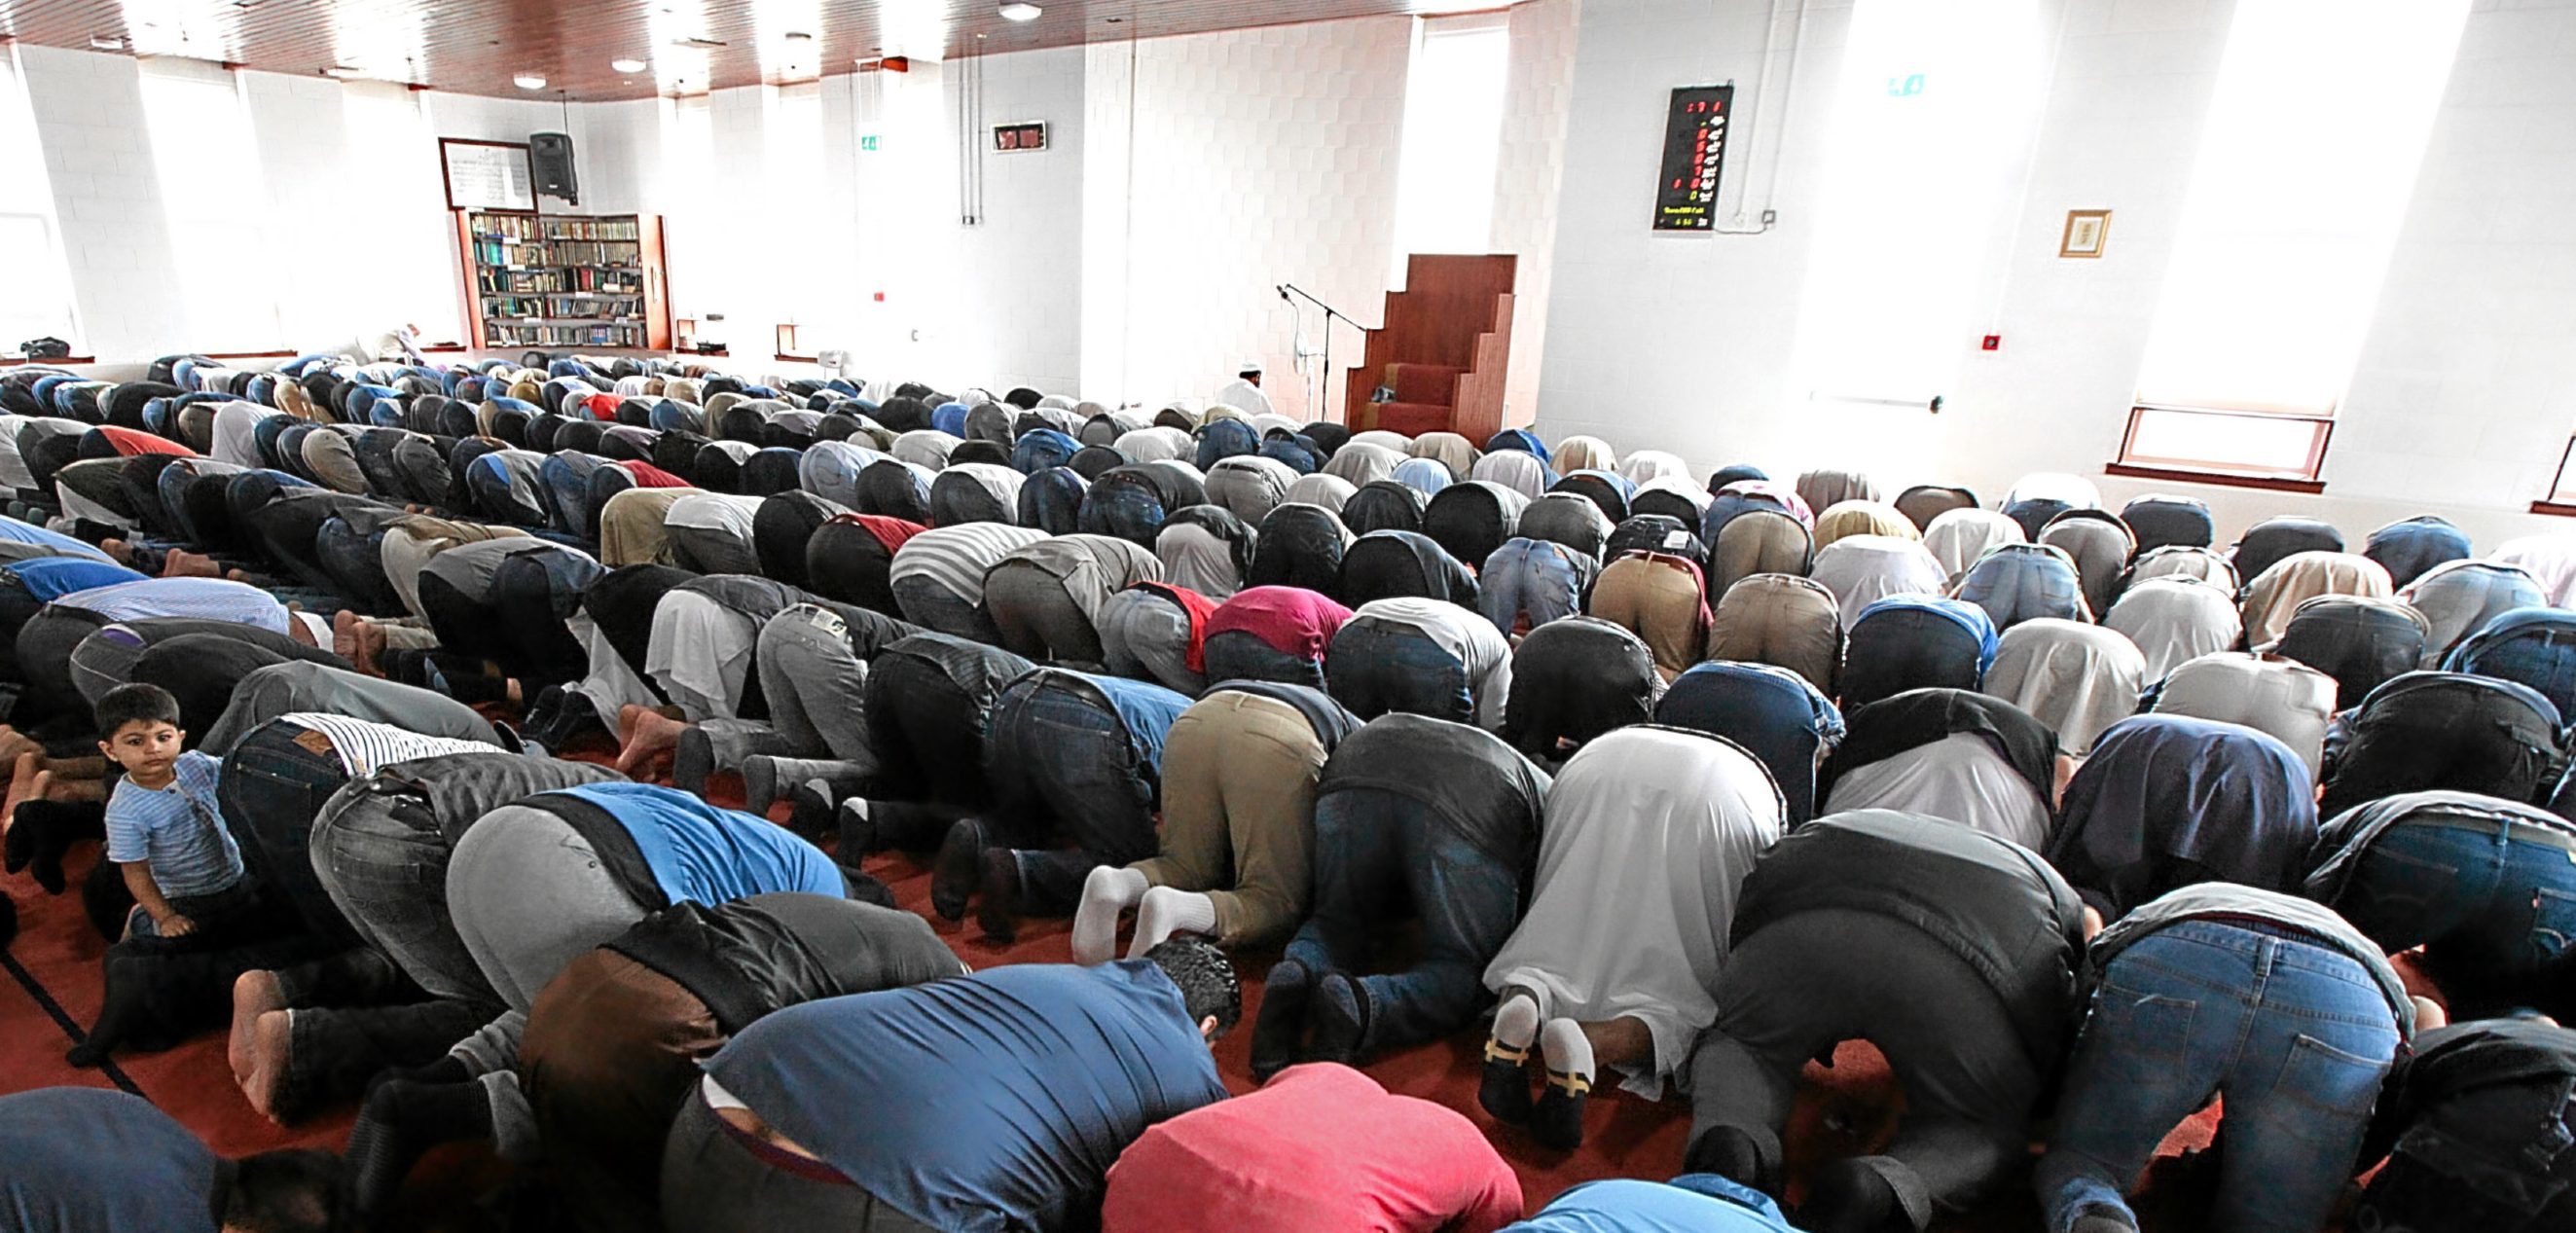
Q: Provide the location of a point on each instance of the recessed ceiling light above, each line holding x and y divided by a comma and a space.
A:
1020, 10
528, 81
629, 65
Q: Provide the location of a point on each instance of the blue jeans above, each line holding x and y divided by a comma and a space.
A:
1236, 655
1065, 767
2294, 1036
2492, 912
1374, 667
273, 786
2542, 656
1373, 851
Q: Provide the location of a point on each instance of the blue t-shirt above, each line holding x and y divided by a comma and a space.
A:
1691, 1203
92, 1160
985, 1102
178, 828
50, 578
701, 854
29, 533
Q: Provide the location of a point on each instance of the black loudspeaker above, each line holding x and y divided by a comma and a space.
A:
552, 153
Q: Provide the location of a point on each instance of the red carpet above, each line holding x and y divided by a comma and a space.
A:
1845, 1109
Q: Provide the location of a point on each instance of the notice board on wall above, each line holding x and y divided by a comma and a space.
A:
1694, 151
487, 175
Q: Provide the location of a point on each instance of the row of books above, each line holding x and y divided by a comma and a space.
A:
502, 335
542, 282
544, 227
543, 306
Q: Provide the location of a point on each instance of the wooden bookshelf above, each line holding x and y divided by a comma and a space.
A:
565, 280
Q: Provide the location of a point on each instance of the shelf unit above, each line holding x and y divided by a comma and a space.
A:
565, 280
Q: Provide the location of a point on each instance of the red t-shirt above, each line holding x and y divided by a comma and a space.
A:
1321, 1149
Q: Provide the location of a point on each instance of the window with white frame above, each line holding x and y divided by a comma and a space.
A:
38, 302
2293, 208
1452, 137
202, 147
792, 145
690, 234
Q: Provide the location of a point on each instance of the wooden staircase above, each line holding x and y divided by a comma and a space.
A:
1442, 352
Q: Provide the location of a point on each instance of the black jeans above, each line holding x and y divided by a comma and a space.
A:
1375, 849
355, 1016
2499, 1159
274, 785
1066, 768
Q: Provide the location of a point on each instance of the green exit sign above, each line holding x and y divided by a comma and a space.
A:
867, 143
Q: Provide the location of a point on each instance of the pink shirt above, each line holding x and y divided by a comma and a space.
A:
1321, 1149
1291, 620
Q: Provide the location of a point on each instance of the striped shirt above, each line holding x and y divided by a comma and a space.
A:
365, 747
956, 557
213, 599
177, 828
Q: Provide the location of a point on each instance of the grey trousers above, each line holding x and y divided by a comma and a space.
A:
712, 1183
1038, 618
1808, 982
529, 895
815, 684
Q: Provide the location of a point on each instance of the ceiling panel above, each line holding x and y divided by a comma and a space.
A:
479, 46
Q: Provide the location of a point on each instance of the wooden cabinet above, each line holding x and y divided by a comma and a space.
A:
594, 282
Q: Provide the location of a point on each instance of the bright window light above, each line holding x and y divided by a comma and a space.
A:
2294, 205
793, 151
38, 303
1453, 132
1930, 129
193, 111
414, 267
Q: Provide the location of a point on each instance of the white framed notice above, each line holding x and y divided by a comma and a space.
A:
487, 175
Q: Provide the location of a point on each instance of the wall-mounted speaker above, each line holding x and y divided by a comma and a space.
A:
552, 154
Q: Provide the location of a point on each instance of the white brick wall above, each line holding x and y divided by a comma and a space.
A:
89, 116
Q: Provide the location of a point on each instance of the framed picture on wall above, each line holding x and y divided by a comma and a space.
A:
487, 175
2085, 232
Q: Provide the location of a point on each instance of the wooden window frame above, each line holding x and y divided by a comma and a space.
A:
2307, 478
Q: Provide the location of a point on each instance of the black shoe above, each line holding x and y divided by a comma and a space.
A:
813, 814
403, 1119
572, 716
1279, 1031
999, 909
957, 869
1849, 1196
1504, 1089
542, 711
1336, 1020
1557, 1120
1729, 1152
694, 761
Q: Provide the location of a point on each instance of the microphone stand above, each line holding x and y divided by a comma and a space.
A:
1330, 315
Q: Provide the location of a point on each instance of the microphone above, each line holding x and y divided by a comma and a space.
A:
1282, 289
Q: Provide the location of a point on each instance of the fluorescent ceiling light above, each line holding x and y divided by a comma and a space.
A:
629, 66
104, 42
1020, 10
342, 71
529, 81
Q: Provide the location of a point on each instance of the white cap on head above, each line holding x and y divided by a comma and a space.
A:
1249, 366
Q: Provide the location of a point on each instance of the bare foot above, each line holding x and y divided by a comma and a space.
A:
654, 733
178, 564
239, 575
117, 550
270, 1037
28, 783
296, 628
14, 743
358, 640
254, 994
626, 721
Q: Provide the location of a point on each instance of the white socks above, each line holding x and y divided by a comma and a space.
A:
1165, 912
1516, 1021
1108, 892
1565, 1049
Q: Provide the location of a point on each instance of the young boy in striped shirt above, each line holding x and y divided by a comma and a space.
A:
164, 830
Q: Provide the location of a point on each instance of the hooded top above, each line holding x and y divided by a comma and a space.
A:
1290, 620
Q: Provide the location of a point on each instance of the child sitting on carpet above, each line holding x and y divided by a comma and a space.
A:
164, 830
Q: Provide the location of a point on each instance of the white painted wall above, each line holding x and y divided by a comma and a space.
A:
2462, 402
